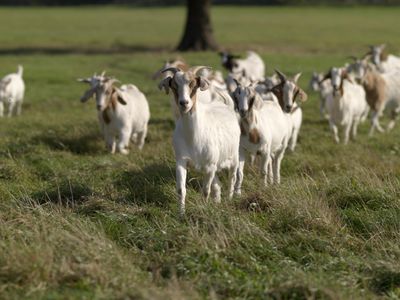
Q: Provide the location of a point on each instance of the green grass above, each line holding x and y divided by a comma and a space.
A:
76, 222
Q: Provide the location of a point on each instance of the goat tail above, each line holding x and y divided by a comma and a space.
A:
20, 71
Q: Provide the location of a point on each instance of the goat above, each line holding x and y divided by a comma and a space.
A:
324, 88
252, 66
383, 61
122, 112
382, 92
12, 90
288, 92
264, 130
206, 135
346, 104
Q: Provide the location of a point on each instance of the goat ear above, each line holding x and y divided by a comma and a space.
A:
345, 75
165, 84
203, 83
302, 95
119, 97
326, 76
87, 95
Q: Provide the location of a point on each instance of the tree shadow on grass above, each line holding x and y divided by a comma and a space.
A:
67, 193
116, 48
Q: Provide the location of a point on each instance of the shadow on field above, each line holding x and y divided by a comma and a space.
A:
114, 49
154, 184
67, 193
86, 144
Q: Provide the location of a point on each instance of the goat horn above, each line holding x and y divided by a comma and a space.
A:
195, 70
171, 69
282, 76
103, 73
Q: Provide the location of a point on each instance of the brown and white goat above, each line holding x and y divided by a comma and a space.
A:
123, 112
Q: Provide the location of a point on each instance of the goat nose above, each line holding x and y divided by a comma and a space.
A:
183, 102
288, 108
99, 107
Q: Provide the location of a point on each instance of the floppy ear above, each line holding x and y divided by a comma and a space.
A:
87, 95
327, 76
119, 97
165, 84
203, 83
296, 77
301, 95
345, 75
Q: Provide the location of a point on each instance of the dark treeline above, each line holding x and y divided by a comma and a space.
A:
180, 2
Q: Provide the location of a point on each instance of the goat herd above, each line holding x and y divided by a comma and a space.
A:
218, 123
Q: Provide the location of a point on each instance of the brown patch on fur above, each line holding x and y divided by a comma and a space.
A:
244, 126
254, 136
383, 56
174, 88
374, 86
193, 96
184, 67
242, 129
106, 118
114, 100
111, 105
278, 92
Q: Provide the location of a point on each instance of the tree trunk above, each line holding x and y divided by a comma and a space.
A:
198, 35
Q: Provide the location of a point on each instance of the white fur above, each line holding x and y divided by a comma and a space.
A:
252, 66
12, 90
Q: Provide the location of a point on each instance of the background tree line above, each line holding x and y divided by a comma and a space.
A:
181, 2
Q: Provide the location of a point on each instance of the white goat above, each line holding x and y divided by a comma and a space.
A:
12, 90
123, 112
346, 105
252, 66
383, 61
288, 92
264, 130
325, 90
382, 92
206, 135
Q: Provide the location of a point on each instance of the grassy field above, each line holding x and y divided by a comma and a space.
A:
76, 222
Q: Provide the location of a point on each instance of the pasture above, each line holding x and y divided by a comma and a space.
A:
79, 223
